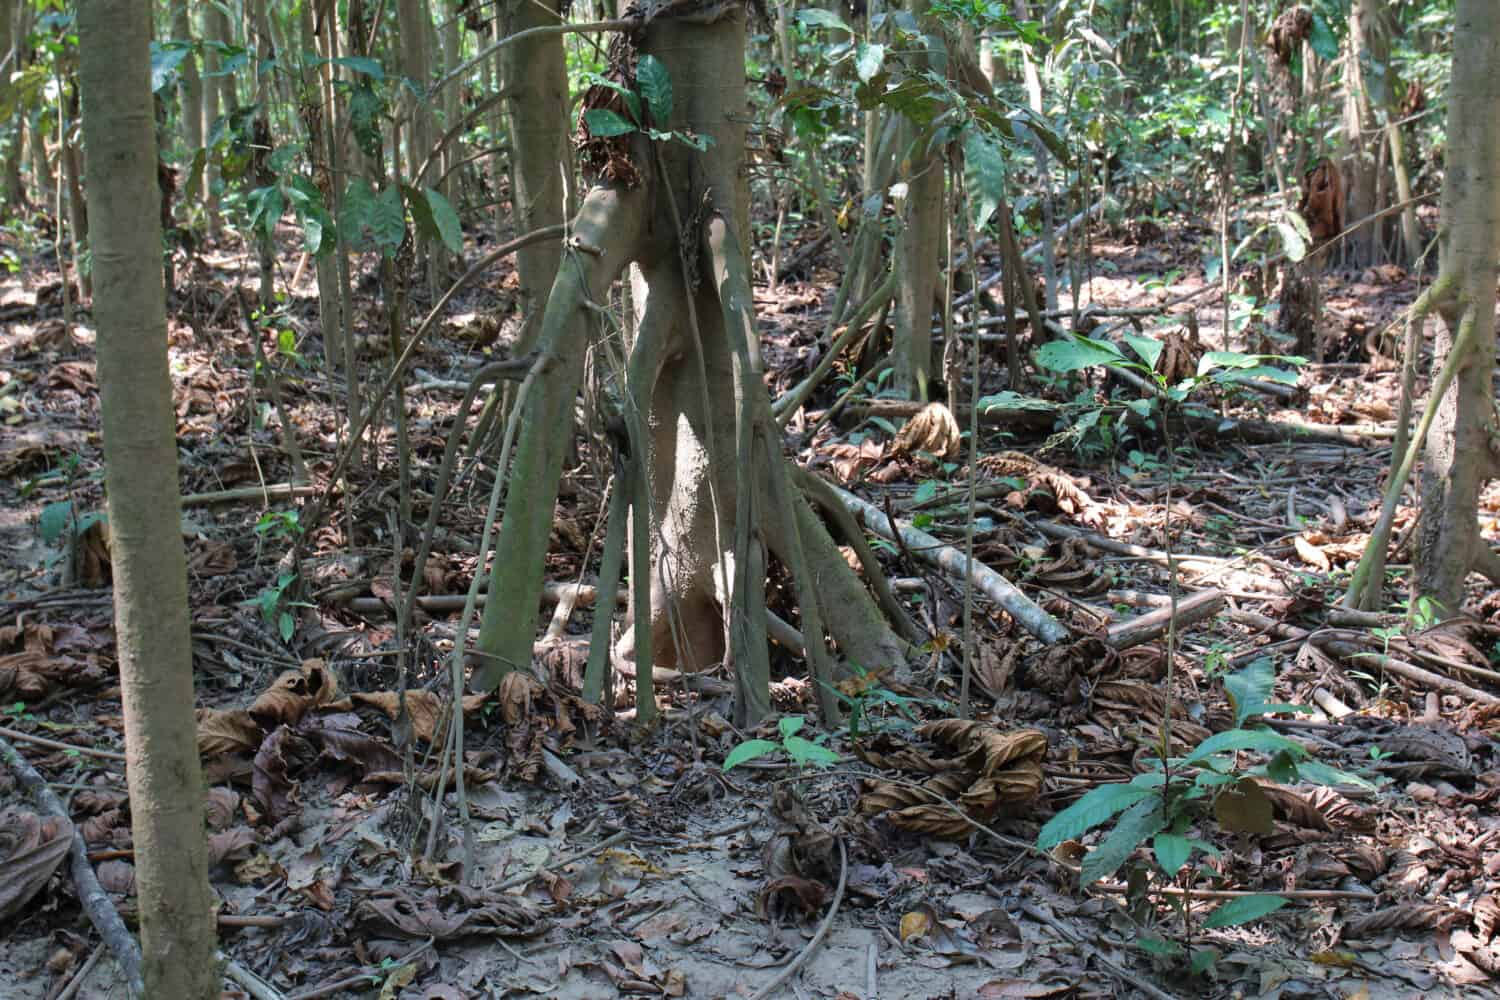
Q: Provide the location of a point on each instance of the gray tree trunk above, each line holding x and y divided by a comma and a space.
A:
716, 483
150, 574
539, 125
1459, 456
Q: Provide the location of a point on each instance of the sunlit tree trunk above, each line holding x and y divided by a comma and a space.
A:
1460, 446
192, 83
140, 452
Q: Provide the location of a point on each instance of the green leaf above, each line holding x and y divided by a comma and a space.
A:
1244, 739
790, 725
656, 88
749, 750
287, 625
1140, 821
54, 520
1077, 352
1172, 851
807, 752
388, 220
1158, 946
1291, 241
365, 109
816, 17
869, 60
1322, 39
1244, 909
361, 64
165, 58
1204, 959
1249, 688
984, 175
1148, 348
1318, 773
1096, 807
450, 229
603, 123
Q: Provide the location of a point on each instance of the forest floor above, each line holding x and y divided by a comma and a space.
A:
607, 863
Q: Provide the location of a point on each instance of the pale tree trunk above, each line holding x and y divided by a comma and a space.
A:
192, 83
218, 99
415, 31
716, 480
919, 241
534, 74
1365, 49
150, 575
1459, 456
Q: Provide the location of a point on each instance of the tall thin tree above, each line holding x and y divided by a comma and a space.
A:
140, 453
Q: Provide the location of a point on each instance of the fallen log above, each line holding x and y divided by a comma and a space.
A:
1191, 609
1031, 616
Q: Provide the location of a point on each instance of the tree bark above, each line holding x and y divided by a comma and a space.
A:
1365, 52
717, 499
537, 116
150, 574
1459, 455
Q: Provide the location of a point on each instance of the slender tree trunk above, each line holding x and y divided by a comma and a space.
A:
192, 83
1459, 456
12, 190
1365, 54
537, 115
150, 574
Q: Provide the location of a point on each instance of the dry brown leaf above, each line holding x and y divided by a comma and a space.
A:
426, 708
933, 430
221, 732
1405, 916
295, 693
31, 848
1310, 553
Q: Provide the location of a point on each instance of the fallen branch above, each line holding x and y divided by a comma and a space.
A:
42, 741
1347, 649
997, 588
1143, 628
91, 895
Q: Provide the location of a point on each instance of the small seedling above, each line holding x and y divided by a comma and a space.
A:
802, 751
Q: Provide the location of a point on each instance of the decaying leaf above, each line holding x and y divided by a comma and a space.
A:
1244, 808
994, 769
295, 693
448, 912
227, 732
31, 848
426, 708
1405, 916
933, 431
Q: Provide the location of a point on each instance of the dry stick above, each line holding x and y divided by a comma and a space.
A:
1119, 972
1144, 628
1023, 609
42, 741
1310, 894
563, 861
619, 24
790, 969
597, 676
71, 990
1345, 649
367, 979
91, 895
257, 987
1381, 534
972, 500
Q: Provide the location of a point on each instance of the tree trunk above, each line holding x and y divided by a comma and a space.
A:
1458, 456
1364, 65
12, 190
192, 83
150, 575
538, 120
717, 478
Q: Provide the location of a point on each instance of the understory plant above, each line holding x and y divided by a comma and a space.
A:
1165, 805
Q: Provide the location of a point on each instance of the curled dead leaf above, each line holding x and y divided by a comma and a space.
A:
31, 848
933, 430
